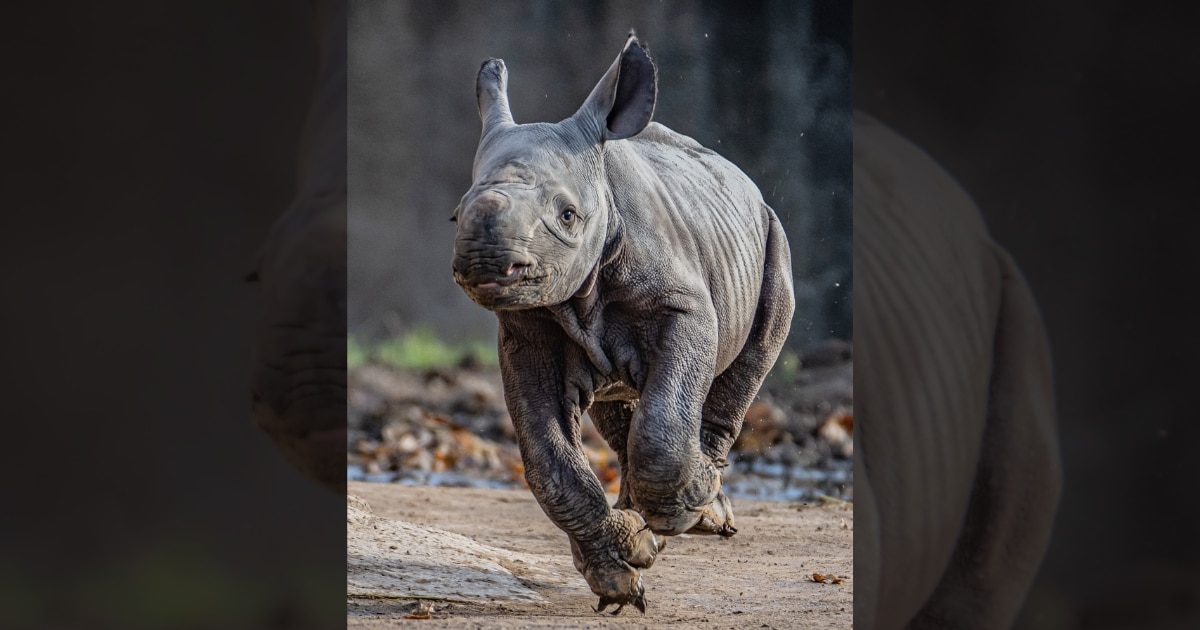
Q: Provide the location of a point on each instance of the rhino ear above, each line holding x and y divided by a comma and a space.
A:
491, 91
622, 103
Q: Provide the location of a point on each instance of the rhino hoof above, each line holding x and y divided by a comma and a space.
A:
639, 603
716, 518
616, 583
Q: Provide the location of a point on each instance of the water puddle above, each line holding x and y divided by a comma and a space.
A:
763, 481
760, 481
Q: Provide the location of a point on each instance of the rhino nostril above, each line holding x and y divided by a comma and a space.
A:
459, 267
515, 272
515, 268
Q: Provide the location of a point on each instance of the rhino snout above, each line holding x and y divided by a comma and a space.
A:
504, 281
298, 396
512, 274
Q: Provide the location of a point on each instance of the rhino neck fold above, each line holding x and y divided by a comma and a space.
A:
608, 253
582, 321
582, 315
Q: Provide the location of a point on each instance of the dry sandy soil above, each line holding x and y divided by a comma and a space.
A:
491, 559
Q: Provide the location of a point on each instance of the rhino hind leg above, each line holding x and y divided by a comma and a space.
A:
612, 419
734, 390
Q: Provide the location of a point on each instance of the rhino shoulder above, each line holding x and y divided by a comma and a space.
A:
689, 169
660, 134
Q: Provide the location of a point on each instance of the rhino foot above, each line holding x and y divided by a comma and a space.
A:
613, 572
639, 603
715, 518
672, 516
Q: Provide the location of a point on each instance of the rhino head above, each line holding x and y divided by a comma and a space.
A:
533, 226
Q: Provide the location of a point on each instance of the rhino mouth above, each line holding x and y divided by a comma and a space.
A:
517, 286
298, 395
318, 452
514, 274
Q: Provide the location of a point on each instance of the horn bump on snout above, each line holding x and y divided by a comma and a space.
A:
483, 215
489, 201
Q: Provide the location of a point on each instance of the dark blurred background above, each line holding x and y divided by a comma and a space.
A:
765, 84
148, 147
1071, 124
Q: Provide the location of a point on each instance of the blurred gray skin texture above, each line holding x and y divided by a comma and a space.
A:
298, 383
957, 475
635, 273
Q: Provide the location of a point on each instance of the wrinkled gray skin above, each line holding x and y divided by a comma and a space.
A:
957, 472
634, 274
298, 380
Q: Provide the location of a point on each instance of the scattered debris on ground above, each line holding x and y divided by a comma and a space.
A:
450, 427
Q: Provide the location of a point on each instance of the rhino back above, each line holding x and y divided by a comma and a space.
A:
681, 200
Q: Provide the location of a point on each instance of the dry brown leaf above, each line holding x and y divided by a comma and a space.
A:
846, 420
838, 431
421, 610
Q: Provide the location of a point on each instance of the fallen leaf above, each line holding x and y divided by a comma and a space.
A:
838, 430
421, 610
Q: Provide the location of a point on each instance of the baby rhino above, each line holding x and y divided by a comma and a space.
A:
638, 276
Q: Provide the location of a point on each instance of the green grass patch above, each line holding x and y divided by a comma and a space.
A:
787, 367
420, 349
356, 353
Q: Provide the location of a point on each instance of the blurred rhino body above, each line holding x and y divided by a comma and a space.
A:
957, 471
299, 366
635, 274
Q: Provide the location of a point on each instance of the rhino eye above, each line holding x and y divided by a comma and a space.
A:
568, 215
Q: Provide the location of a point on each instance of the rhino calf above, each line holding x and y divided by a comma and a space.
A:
639, 276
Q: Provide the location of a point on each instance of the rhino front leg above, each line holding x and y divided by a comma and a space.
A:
670, 479
544, 395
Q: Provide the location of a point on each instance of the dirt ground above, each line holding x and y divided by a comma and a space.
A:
486, 558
